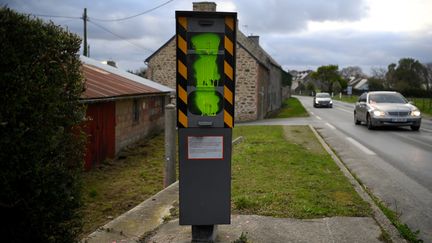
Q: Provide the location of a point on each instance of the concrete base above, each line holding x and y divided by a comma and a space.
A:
204, 233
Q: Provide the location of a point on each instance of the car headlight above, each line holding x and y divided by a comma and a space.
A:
316, 101
378, 113
331, 102
415, 113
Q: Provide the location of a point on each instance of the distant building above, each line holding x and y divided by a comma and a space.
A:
121, 109
301, 79
359, 85
258, 75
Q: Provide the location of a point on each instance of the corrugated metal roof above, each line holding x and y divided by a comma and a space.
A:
104, 81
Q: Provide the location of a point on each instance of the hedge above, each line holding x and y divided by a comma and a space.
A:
41, 145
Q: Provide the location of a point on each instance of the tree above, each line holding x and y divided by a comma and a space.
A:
337, 87
378, 80
140, 72
41, 144
375, 84
352, 71
286, 78
327, 75
408, 77
429, 78
310, 87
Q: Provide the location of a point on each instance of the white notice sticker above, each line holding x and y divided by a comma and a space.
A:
205, 147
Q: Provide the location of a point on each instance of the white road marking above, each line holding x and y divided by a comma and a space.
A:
330, 125
345, 110
319, 118
360, 146
311, 113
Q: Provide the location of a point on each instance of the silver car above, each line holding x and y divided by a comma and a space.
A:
322, 100
386, 108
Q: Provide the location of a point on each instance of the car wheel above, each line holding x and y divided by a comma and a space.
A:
415, 128
356, 121
369, 123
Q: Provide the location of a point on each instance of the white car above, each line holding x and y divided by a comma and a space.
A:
386, 108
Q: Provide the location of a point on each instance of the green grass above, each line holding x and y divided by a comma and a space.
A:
284, 172
424, 104
277, 171
119, 185
346, 98
291, 107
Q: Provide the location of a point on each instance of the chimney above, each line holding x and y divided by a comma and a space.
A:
111, 63
254, 39
204, 6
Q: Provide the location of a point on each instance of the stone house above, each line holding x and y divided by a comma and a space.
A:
121, 109
258, 75
302, 82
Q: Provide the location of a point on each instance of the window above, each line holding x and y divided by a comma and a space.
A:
135, 111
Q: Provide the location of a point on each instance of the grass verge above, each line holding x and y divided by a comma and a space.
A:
119, 185
277, 171
424, 104
404, 230
346, 98
284, 172
291, 107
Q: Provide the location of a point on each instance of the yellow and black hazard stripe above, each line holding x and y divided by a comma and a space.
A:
229, 70
182, 72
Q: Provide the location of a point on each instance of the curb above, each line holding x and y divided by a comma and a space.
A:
378, 215
134, 224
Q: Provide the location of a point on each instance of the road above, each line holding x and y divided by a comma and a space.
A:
395, 164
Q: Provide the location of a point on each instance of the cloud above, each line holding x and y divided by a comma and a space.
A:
343, 36
348, 48
273, 16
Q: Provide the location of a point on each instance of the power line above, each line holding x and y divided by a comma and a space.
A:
120, 37
133, 16
55, 16
103, 20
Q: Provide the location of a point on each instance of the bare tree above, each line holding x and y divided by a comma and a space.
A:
352, 71
378, 80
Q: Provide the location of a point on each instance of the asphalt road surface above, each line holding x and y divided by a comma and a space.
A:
395, 164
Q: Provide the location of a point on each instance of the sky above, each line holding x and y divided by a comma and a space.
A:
298, 34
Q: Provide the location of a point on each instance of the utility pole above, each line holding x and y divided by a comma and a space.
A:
85, 33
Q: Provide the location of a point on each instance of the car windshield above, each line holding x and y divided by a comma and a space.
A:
387, 98
323, 95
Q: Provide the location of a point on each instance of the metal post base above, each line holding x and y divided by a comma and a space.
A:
204, 233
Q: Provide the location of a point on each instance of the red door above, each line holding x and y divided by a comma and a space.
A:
100, 129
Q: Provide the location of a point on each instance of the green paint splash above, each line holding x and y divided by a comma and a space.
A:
206, 98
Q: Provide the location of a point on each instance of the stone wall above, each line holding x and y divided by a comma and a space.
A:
262, 92
275, 89
286, 92
162, 66
148, 119
246, 86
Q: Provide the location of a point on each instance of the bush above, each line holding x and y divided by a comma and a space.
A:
41, 146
